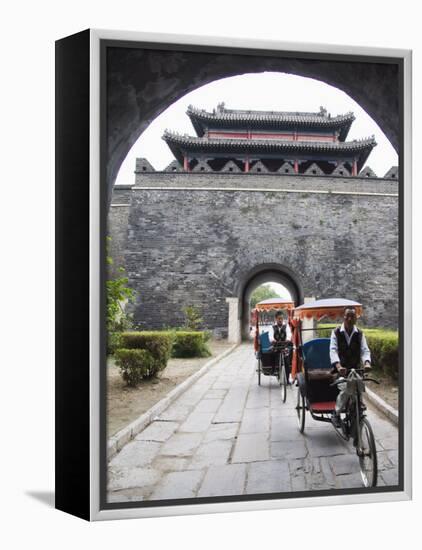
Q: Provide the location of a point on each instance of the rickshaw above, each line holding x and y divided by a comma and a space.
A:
272, 359
317, 386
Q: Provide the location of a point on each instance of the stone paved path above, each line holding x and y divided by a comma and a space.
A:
228, 436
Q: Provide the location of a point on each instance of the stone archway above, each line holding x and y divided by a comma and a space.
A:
260, 275
142, 83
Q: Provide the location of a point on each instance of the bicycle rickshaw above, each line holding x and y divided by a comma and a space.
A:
317, 386
272, 359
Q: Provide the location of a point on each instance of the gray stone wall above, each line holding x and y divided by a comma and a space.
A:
339, 236
117, 227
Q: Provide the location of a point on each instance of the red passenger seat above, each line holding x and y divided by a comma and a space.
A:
323, 406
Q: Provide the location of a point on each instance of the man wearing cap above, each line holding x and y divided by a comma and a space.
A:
348, 350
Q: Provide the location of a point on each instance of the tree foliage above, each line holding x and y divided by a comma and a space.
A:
118, 293
263, 292
193, 319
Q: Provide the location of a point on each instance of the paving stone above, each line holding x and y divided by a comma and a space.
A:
136, 454
177, 485
212, 453
251, 447
283, 429
324, 442
349, 481
191, 397
388, 443
123, 496
384, 462
221, 431
223, 384
268, 477
390, 477
197, 422
223, 481
216, 394
128, 478
255, 421
288, 449
258, 398
298, 483
170, 463
344, 464
393, 457
181, 444
327, 471
227, 414
283, 410
208, 405
157, 431
175, 412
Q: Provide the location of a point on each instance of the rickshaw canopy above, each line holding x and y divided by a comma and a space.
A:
274, 304
330, 307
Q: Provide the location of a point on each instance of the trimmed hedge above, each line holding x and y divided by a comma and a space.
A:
113, 342
144, 354
190, 344
384, 346
158, 343
135, 364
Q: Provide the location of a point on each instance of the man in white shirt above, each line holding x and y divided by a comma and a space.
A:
280, 332
348, 350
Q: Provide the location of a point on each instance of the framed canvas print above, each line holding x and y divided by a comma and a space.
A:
233, 275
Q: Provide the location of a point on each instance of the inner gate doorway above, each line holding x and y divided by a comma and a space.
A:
268, 274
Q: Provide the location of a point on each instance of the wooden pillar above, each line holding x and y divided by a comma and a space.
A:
355, 168
247, 164
185, 164
296, 167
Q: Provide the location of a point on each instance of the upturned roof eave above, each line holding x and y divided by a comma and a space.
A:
197, 143
203, 120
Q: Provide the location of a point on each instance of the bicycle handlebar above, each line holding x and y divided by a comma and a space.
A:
342, 379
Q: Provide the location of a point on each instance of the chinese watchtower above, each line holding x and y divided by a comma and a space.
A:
233, 140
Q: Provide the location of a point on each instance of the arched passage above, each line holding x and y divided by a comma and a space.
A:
275, 273
142, 83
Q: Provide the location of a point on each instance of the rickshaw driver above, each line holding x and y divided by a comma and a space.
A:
280, 332
348, 349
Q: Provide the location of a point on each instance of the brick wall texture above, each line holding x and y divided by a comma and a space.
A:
194, 238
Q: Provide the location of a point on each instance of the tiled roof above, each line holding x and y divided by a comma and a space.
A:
194, 143
202, 119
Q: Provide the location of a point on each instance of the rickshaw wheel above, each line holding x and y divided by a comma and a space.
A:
283, 384
368, 462
301, 410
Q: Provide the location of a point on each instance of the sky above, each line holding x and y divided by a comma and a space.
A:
281, 290
264, 91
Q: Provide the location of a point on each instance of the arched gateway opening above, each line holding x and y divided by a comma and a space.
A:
137, 94
142, 83
267, 273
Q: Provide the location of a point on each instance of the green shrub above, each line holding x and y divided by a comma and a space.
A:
158, 343
193, 318
135, 364
113, 342
191, 344
384, 346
